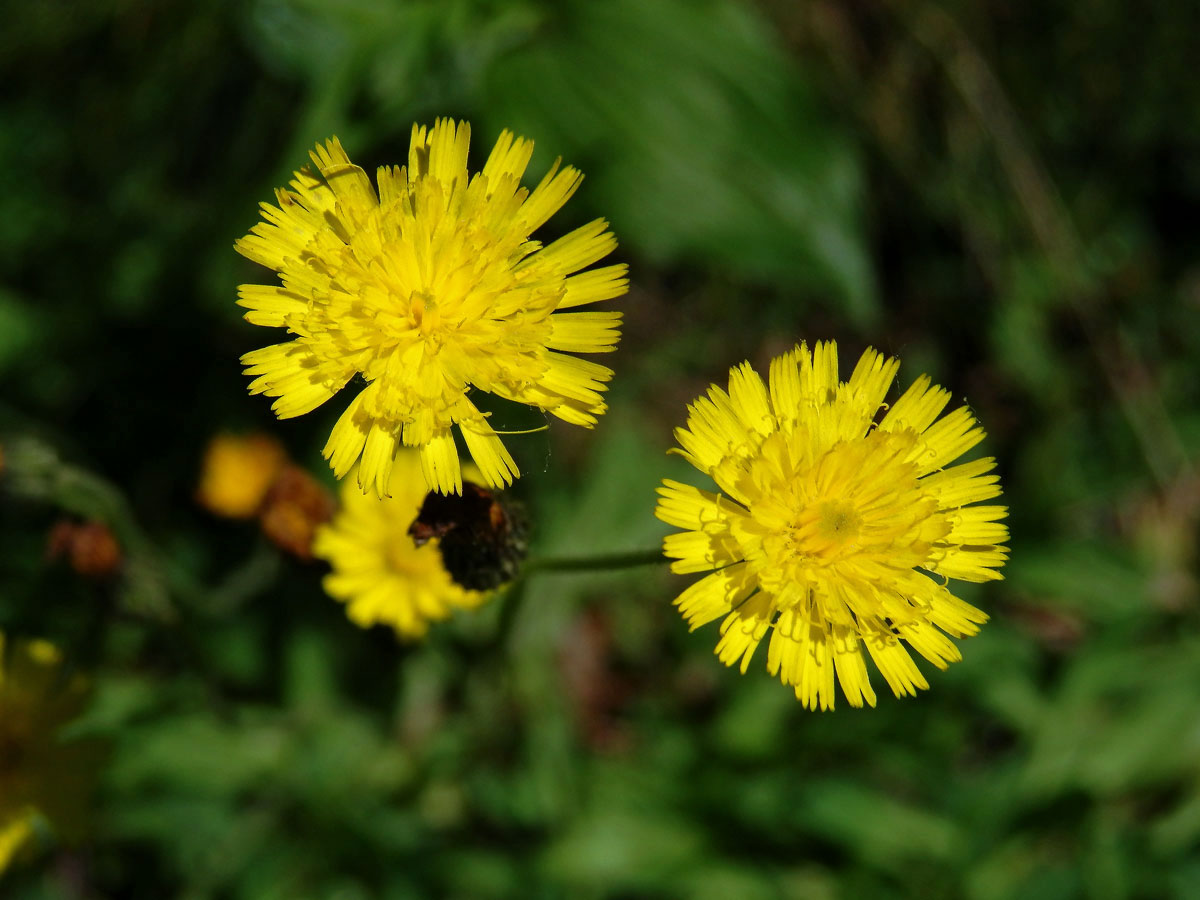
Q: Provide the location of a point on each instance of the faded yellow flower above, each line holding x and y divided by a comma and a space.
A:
378, 571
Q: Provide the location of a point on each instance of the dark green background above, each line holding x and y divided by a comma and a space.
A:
1004, 195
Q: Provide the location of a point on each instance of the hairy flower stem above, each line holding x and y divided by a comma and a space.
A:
603, 563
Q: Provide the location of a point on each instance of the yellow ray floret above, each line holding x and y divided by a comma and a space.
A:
427, 286
378, 572
836, 529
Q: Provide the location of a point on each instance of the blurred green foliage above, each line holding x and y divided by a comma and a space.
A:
1004, 197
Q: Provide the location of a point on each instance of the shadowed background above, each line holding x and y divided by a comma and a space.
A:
1005, 198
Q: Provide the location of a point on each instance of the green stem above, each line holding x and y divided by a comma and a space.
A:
605, 562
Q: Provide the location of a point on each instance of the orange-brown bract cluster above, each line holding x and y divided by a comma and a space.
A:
296, 505
252, 477
90, 548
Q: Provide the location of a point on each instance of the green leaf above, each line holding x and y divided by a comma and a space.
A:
1101, 583
877, 827
699, 137
19, 329
623, 849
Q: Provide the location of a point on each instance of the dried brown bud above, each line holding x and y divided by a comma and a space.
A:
294, 506
90, 548
483, 538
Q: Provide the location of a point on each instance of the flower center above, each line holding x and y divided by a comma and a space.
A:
423, 312
400, 556
824, 531
857, 504
838, 522
428, 314
404, 559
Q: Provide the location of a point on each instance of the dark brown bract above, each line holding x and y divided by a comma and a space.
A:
483, 538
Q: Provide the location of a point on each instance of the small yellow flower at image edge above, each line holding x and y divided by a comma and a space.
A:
45, 781
834, 529
429, 285
378, 571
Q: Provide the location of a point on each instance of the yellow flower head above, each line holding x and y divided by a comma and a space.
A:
42, 779
838, 529
237, 472
378, 572
427, 289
